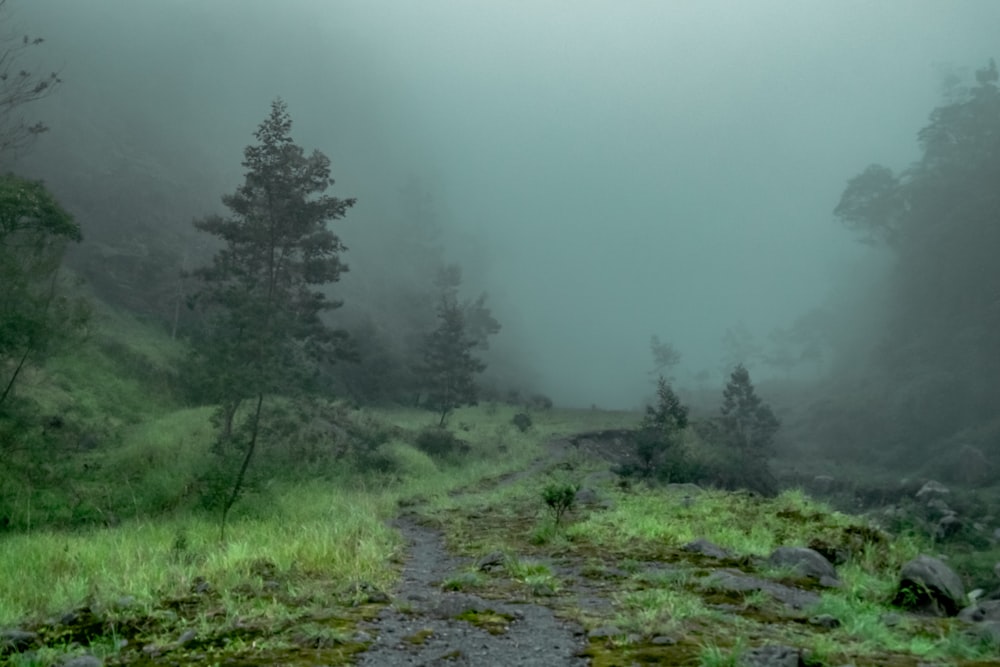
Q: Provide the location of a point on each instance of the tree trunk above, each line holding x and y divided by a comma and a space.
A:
238, 485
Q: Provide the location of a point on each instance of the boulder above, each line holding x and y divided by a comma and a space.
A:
927, 585
706, 548
774, 655
83, 661
947, 527
806, 562
932, 489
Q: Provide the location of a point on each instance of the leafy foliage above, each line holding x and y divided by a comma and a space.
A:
34, 233
560, 499
262, 310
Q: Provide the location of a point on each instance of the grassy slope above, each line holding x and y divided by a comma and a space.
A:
121, 537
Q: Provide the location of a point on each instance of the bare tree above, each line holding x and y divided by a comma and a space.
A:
20, 85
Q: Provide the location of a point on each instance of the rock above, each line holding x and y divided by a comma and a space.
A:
988, 631
891, 620
947, 527
662, 640
774, 655
200, 586
926, 584
17, 640
932, 489
495, 560
706, 548
983, 611
825, 621
806, 562
82, 661
604, 632
735, 581
938, 508
186, 638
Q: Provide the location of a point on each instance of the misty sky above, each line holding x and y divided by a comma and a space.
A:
610, 169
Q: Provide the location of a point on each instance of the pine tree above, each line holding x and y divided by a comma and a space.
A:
449, 367
748, 427
263, 325
658, 443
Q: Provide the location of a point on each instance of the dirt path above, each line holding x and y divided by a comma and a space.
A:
429, 626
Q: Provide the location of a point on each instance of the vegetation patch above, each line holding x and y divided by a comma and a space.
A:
494, 622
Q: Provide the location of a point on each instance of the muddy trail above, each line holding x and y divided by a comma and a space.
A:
427, 625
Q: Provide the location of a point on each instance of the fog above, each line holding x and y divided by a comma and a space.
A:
605, 170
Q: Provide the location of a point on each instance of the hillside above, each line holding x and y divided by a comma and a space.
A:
362, 540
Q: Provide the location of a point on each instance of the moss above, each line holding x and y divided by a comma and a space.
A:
419, 637
493, 622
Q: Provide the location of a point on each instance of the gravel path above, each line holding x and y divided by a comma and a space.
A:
421, 627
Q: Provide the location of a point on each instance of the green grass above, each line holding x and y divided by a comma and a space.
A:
312, 532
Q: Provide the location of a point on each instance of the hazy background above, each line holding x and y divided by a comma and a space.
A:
606, 170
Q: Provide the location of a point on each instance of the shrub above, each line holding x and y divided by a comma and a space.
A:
560, 498
439, 442
538, 402
522, 420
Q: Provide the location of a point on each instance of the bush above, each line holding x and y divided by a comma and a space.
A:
538, 402
522, 420
440, 442
560, 498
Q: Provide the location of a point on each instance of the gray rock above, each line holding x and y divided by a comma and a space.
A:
706, 548
947, 527
891, 620
806, 562
82, 661
17, 640
736, 581
495, 560
926, 584
987, 630
983, 611
774, 655
825, 621
932, 489
604, 631
662, 640
186, 638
